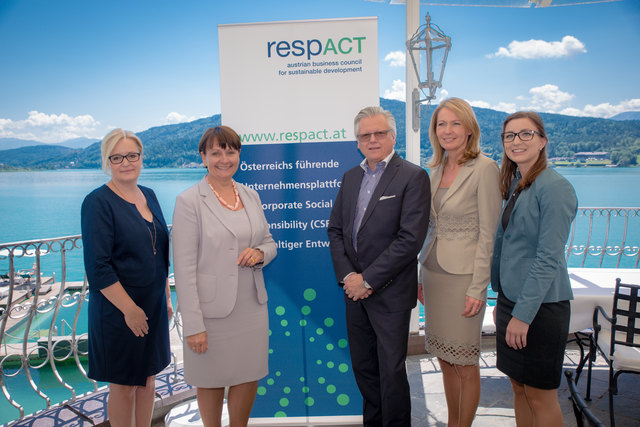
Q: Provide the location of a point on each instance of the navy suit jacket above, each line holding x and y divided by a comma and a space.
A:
390, 237
528, 257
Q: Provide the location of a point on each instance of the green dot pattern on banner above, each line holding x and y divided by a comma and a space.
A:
279, 387
343, 400
309, 294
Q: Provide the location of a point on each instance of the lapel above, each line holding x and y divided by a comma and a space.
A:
389, 173
351, 198
463, 174
254, 215
211, 202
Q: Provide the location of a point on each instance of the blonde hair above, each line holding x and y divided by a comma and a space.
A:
463, 110
111, 140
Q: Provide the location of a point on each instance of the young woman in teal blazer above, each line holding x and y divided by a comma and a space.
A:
529, 271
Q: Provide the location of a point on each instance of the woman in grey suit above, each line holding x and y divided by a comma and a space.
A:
221, 241
529, 271
456, 256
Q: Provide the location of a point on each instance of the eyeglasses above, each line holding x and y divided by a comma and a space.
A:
524, 135
116, 159
365, 137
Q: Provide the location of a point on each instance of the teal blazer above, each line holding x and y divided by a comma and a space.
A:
528, 257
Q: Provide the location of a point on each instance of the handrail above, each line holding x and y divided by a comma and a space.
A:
605, 234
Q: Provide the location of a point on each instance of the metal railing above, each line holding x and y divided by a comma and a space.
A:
600, 237
27, 348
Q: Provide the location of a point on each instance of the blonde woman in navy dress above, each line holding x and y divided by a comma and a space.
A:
126, 258
529, 271
221, 241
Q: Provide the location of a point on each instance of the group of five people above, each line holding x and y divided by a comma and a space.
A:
396, 235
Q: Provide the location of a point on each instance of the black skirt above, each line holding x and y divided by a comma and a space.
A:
539, 364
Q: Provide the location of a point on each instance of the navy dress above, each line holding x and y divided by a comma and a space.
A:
117, 244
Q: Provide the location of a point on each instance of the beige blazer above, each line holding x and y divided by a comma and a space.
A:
205, 251
466, 222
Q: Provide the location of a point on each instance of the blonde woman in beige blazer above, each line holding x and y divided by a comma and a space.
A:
456, 256
221, 241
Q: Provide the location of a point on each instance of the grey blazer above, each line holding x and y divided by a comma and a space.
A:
205, 251
466, 222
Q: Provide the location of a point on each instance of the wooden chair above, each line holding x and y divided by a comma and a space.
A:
580, 409
620, 349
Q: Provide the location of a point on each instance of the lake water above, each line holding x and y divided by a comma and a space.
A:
46, 204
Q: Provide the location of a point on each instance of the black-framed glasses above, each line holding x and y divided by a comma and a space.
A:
365, 137
524, 135
116, 159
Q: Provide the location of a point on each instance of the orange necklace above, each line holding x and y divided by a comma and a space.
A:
224, 202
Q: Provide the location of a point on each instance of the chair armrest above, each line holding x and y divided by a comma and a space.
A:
596, 325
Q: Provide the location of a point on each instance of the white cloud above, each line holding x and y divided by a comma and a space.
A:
396, 58
173, 118
605, 109
549, 98
540, 49
49, 127
398, 91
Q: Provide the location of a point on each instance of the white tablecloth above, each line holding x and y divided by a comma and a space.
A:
592, 287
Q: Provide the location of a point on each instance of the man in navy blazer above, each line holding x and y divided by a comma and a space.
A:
377, 226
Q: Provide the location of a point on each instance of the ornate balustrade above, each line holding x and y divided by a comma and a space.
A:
600, 237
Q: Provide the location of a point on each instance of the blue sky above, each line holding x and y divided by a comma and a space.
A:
77, 68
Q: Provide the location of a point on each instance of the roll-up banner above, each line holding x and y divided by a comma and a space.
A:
291, 90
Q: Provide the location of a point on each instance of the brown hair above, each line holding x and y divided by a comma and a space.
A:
463, 110
224, 136
509, 167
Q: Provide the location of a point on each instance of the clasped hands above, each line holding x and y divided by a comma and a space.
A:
354, 287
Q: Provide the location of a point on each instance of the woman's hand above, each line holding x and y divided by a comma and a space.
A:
420, 294
472, 306
136, 320
250, 257
516, 336
198, 342
169, 308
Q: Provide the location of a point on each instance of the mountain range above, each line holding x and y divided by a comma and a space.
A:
176, 145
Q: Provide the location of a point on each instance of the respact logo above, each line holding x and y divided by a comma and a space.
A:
314, 47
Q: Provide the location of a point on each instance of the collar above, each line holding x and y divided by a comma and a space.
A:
385, 161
